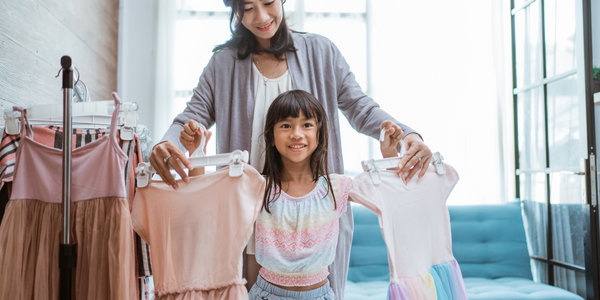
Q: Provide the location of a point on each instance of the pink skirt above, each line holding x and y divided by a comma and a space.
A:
31, 233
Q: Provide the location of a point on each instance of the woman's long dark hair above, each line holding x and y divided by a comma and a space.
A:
290, 104
244, 41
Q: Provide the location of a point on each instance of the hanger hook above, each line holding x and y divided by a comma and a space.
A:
60, 70
78, 75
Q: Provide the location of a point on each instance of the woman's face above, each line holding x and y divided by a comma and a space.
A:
262, 18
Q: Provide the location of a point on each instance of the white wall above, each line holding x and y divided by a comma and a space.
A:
137, 56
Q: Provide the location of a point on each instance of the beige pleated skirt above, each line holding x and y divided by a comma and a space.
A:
31, 233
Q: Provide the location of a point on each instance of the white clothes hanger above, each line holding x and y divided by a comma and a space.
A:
198, 159
373, 165
84, 113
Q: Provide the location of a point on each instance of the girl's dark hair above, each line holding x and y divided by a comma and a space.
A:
244, 41
290, 104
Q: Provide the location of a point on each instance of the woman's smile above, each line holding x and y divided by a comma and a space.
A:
266, 27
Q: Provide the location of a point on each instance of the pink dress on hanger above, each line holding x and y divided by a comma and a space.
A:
198, 232
415, 224
31, 231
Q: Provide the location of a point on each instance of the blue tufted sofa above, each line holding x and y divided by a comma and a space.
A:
488, 242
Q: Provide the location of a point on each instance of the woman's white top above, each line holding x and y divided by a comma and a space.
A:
266, 91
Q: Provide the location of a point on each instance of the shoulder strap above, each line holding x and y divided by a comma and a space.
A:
115, 118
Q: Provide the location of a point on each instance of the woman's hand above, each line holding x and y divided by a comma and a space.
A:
166, 155
191, 136
393, 136
417, 157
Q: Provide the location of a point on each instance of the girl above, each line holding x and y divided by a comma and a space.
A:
297, 230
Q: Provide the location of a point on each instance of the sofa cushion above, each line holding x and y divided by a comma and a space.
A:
489, 241
368, 255
372, 290
515, 289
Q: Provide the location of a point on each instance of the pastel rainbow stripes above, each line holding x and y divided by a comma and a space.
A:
442, 282
296, 242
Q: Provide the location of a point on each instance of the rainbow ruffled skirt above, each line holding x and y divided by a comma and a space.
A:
443, 282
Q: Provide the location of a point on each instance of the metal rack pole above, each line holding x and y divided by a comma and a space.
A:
67, 252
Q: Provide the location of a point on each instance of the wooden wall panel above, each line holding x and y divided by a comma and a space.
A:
35, 34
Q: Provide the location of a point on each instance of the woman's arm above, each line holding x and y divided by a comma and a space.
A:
365, 115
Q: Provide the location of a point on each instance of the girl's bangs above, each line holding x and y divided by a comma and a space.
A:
291, 108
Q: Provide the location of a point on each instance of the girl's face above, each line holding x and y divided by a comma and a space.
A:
262, 18
296, 138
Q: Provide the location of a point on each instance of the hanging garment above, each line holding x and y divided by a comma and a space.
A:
198, 232
415, 225
52, 136
31, 231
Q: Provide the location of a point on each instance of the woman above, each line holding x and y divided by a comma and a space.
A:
261, 60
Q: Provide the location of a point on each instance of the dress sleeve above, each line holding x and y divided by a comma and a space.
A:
140, 218
449, 182
364, 192
260, 184
341, 186
200, 108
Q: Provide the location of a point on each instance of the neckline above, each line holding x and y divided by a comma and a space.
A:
92, 144
393, 173
313, 191
264, 78
197, 177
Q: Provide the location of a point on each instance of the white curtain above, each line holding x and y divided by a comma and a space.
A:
166, 16
444, 68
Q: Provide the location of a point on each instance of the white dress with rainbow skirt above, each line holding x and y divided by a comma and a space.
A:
415, 224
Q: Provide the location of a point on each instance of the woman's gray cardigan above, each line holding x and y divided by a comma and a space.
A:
225, 96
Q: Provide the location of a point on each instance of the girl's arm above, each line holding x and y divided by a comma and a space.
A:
190, 137
253, 268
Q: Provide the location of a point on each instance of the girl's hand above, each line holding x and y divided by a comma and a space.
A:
191, 136
393, 136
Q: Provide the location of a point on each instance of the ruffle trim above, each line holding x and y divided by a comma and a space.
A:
293, 279
443, 282
224, 285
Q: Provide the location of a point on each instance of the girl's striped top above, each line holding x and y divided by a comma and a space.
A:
296, 242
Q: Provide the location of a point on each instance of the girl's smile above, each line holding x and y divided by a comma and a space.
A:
297, 147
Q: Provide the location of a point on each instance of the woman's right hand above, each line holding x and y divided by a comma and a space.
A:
191, 137
166, 155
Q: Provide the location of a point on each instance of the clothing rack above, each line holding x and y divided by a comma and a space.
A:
67, 251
